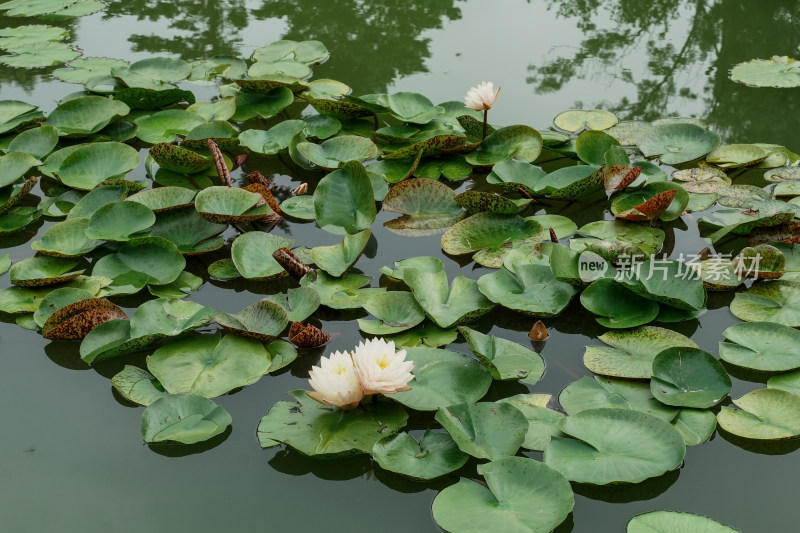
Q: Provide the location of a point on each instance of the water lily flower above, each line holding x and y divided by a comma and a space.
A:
482, 97
335, 381
380, 368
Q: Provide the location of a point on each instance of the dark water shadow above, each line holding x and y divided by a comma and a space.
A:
335, 469
762, 447
628, 492
66, 354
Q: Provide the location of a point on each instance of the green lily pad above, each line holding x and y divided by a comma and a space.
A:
57, 299
318, 430
668, 282
165, 126
208, 365
485, 430
592, 145
29, 34
119, 221
788, 381
345, 292
523, 496
425, 203
188, 230
410, 107
273, 140
88, 68
218, 130
763, 414
252, 105
37, 142
164, 198
40, 54
674, 522
138, 386
16, 300
299, 303
504, 359
528, 288
631, 352
591, 393
150, 99
43, 270
577, 119
425, 334
395, 311
180, 288
513, 175
737, 155
337, 259
491, 235
446, 304
677, 143
769, 301
88, 165
689, 377
613, 446
763, 346
616, 306
66, 239
435, 455
543, 423
14, 165
85, 115
263, 320
16, 115
334, 152
183, 418
522, 143
146, 259
492, 203
779, 71
344, 199
252, 254
230, 205
443, 378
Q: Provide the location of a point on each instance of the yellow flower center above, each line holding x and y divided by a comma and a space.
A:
383, 363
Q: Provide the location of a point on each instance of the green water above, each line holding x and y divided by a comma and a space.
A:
71, 455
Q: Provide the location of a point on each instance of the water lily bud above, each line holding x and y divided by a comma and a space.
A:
482, 97
538, 332
380, 368
335, 381
300, 189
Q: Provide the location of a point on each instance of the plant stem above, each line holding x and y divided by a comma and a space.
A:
485, 118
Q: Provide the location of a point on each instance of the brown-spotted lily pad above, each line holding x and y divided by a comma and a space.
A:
229, 205
617, 177
75, 321
308, 336
178, 159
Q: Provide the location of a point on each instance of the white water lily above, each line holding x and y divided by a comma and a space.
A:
482, 97
380, 368
335, 381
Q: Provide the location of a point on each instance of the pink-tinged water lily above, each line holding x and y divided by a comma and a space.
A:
482, 97
380, 368
335, 381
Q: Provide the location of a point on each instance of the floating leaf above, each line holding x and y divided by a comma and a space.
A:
435, 455
492, 236
737, 155
770, 301
672, 522
663, 200
43, 270
88, 165
763, 346
14, 165
616, 306
273, 140
779, 71
632, 351
252, 254
614, 445
485, 430
178, 159
119, 221
74, 321
395, 312
66, 239
318, 430
504, 359
443, 378
337, 259
85, 115
677, 143
577, 119
37, 142
137, 385
184, 418
587, 393
763, 414
344, 199
230, 205
543, 423
522, 143
689, 377
165, 126
263, 320
39, 54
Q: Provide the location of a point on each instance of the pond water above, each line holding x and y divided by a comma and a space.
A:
71, 456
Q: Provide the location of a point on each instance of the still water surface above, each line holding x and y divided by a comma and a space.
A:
71, 455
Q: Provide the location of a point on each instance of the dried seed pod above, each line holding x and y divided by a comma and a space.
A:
219, 161
258, 177
308, 336
239, 161
538, 332
553, 236
265, 193
291, 263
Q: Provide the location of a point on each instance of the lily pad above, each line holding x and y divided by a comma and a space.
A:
187, 229
677, 142
763, 346
345, 292
435, 455
334, 152
75, 320
689, 377
66, 239
37, 142
504, 359
337, 259
674, 522
763, 414
183, 418
485, 430
543, 423
616, 306
521, 496
14, 165
490, 235
138, 386
587, 393
631, 352
577, 119
85, 115
164, 198
43, 270
263, 320
779, 71
252, 254
230, 205
344, 199
592, 145
613, 446
178, 159
165, 126
318, 430
395, 311
769, 301
443, 378
208, 365
737, 155
663, 200
39, 55
119, 221
88, 165
522, 143
146, 259
252, 105
668, 282
274, 140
